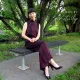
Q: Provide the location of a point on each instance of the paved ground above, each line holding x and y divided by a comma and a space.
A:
10, 71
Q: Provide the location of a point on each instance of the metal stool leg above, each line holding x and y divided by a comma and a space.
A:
59, 51
23, 67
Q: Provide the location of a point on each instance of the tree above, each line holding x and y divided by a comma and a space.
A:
15, 10
74, 25
47, 11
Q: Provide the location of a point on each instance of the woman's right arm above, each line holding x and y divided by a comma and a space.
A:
24, 31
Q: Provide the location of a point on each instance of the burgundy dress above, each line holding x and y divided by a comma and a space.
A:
39, 45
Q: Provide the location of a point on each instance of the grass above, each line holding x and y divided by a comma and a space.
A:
72, 38
5, 54
1, 77
7, 46
70, 74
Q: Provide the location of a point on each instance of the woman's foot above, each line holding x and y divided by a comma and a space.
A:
57, 68
46, 73
53, 64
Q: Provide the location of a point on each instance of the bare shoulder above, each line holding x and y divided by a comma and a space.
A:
25, 23
25, 26
39, 25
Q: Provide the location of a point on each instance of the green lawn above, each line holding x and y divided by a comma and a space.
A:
72, 38
5, 54
1, 77
70, 74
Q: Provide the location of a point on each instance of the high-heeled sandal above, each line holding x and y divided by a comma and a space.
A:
57, 68
47, 77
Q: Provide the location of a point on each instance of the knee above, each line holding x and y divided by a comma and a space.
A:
43, 42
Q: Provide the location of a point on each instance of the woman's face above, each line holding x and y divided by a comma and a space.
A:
32, 15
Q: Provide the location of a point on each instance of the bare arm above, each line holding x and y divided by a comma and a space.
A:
24, 31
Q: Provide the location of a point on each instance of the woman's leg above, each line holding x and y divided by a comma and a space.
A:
52, 62
44, 55
46, 71
46, 58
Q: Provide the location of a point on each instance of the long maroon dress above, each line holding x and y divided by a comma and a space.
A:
39, 45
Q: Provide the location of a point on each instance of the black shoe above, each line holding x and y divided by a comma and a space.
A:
57, 68
47, 77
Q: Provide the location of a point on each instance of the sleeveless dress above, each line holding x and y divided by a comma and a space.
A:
39, 45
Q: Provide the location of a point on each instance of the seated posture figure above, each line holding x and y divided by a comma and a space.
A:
31, 34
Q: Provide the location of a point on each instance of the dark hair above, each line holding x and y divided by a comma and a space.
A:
31, 10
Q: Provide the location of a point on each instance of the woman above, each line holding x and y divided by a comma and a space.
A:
31, 34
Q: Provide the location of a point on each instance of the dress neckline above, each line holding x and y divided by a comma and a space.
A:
32, 20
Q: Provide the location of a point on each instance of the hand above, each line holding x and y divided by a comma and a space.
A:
32, 40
